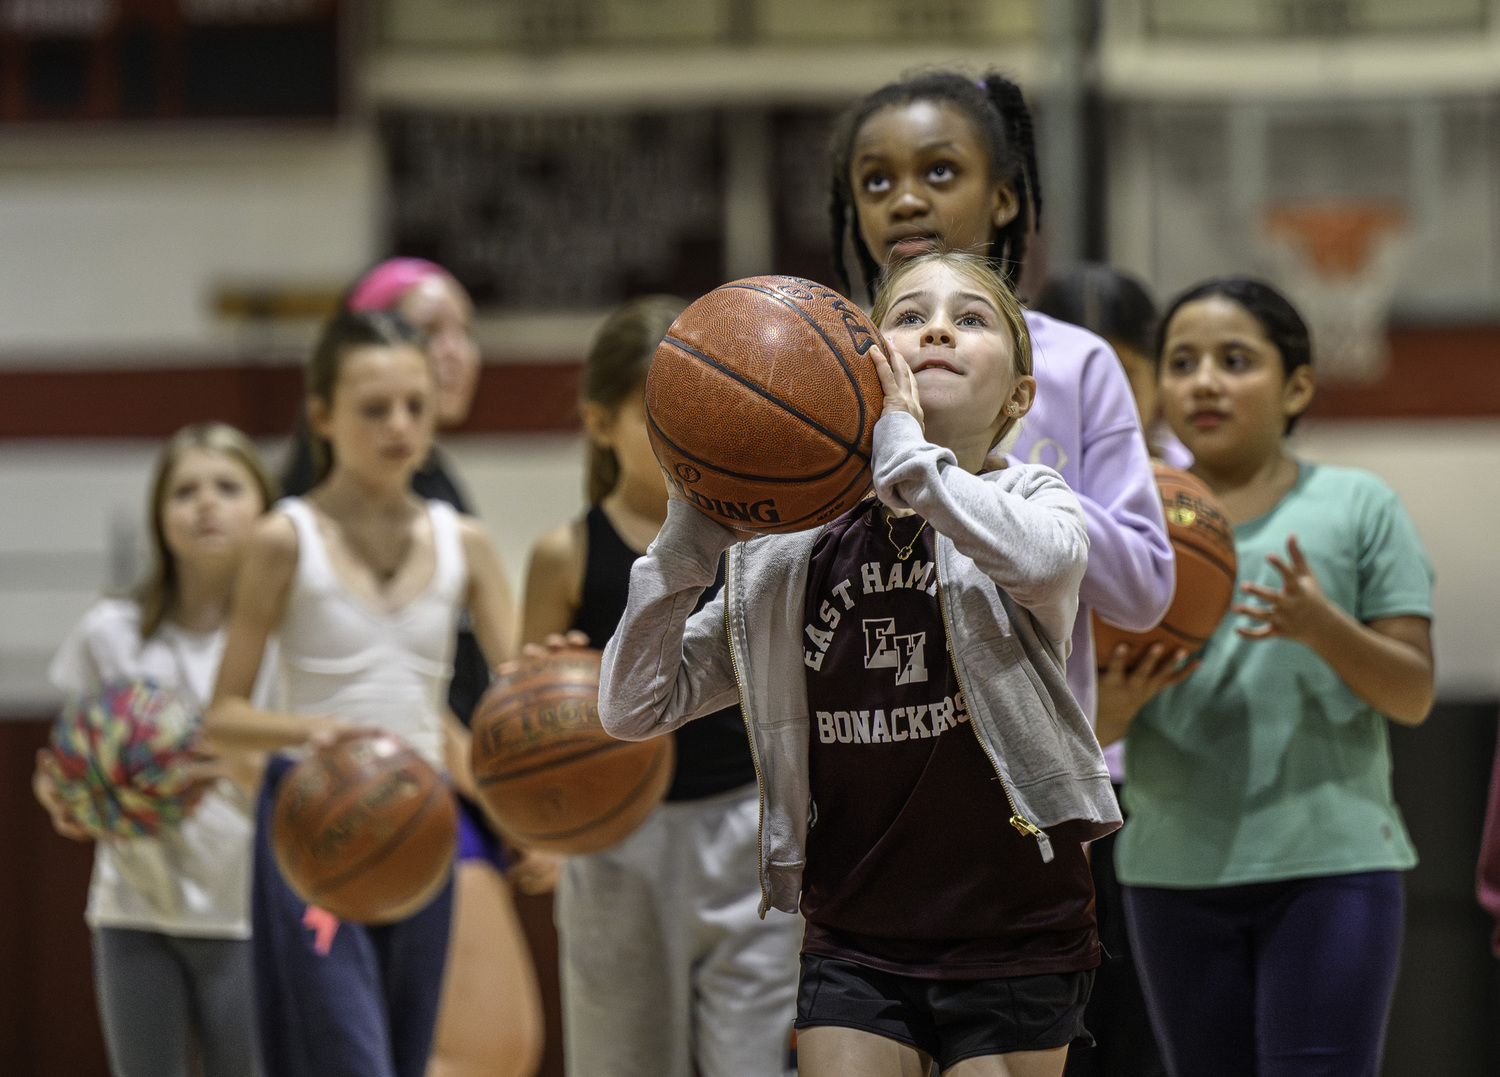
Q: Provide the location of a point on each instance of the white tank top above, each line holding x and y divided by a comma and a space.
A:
340, 656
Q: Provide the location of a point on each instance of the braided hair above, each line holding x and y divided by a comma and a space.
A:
999, 114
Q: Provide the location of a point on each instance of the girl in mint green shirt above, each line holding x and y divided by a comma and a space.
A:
1262, 850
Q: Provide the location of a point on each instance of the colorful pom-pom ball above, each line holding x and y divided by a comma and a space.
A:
122, 758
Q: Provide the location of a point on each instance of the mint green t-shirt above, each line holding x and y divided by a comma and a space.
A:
1263, 764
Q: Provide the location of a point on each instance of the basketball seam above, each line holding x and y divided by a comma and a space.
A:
851, 448
1185, 637
588, 753
627, 801
1209, 555
375, 857
747, 477
785, 301
786, 525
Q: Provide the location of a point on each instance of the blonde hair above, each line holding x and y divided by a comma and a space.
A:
981, 273
157, 593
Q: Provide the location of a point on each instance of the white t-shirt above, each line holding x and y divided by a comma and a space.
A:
192, 879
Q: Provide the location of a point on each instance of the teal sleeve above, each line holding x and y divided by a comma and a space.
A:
1395, 576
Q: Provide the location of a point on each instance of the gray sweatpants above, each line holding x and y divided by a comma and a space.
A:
665, 959
158, 991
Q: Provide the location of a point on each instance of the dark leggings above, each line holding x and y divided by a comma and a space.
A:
158, 993
1281, 979
1116, 1013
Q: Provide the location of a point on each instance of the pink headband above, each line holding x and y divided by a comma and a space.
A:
382, 287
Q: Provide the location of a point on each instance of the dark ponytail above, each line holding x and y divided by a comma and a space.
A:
616, 366
998, 111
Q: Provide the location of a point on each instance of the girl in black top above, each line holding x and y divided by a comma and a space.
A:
667, 965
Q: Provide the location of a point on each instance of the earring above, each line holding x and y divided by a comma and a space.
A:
1010, 409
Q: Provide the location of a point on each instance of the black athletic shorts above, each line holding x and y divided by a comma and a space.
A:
949, 1020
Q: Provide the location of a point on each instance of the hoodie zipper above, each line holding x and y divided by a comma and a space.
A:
760, 783
1017, 820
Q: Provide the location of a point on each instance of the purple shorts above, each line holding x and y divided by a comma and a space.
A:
476, 841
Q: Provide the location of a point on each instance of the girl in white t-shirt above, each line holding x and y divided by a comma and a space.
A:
362, 584
169, 913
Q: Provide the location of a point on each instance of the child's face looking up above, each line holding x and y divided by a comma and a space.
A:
962, 355
921, 179
1224, 389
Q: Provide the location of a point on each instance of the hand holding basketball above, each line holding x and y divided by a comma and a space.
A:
1124, 691
1299, 611
324, 731
535, 872
899, 384
556, 641
44, 788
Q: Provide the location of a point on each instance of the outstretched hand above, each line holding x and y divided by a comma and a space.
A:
1299, 611
899, 384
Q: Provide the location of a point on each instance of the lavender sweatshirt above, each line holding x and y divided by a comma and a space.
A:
1084, 425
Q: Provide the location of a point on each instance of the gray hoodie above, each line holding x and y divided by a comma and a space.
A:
1011, 548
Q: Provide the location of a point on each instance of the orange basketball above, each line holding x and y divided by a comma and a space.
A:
365, 829
1203, 540
761, 403
547, 770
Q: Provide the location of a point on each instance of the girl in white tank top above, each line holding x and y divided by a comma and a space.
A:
341, 655
362, 584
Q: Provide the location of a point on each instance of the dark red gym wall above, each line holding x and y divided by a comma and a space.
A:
1435, 373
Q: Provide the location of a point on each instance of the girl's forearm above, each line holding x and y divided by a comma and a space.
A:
235, 724
1389, 674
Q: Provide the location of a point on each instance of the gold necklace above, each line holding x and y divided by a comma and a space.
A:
902, 552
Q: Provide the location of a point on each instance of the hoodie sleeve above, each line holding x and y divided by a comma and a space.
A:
665, 664
1132, 571
1022, 526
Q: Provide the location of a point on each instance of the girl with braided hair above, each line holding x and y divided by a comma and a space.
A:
944, 161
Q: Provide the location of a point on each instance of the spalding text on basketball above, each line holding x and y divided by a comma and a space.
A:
1183, 509
764, 512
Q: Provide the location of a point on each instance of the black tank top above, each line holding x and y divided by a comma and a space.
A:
713, 755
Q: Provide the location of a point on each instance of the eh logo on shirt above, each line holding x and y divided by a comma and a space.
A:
907, 655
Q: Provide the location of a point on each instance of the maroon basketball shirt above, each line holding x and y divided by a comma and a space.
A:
912, 864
